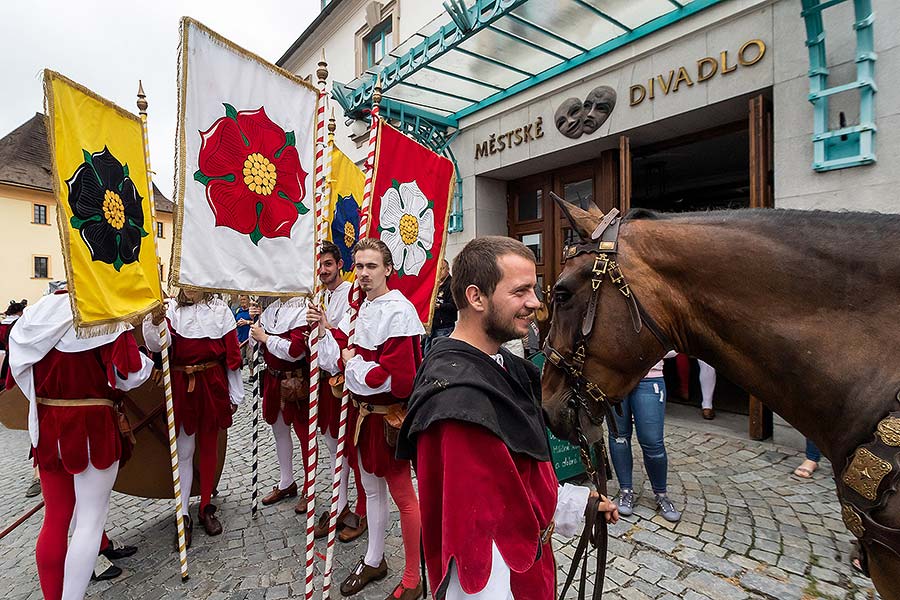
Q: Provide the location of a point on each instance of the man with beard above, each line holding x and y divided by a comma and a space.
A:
332, 304
476, 432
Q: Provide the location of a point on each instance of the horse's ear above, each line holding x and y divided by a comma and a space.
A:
583, 221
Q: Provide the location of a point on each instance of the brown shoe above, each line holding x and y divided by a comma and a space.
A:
188, 533
709, 414
405, 593
301, 506
361, 576
321, 528
348, 534
209, 521
277, 495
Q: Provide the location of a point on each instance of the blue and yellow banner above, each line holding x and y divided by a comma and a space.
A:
344, 206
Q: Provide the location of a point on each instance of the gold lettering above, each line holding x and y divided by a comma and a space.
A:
518, 134
682, 77
527, 133
481, 150
761, 50
666, 84
637, 93
713, 67
723, 58
491, 143
538, 132
650, 84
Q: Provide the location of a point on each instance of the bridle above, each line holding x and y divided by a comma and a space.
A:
586, 397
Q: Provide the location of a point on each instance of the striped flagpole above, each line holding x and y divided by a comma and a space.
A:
164, 342
356, 296
256, 367
311, 445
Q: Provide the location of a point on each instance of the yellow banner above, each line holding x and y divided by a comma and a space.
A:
344, 205
101, 183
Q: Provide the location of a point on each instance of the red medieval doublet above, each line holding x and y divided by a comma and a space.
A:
209, 404
68, 434
293, 413
470, 502
397, 358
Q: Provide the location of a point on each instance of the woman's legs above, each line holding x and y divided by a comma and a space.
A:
92, 489
808, 466
58, 488
404, 495
620, 446
186, 445
648, 405
377, 503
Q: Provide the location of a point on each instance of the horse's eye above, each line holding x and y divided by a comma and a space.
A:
561, 295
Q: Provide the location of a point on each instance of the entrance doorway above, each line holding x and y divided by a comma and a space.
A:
728, 166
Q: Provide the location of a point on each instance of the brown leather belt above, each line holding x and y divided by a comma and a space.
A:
191, 370
285, 374
547, 532
76, 402
366, 409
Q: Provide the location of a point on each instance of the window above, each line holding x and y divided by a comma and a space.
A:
41, 267
379, 42
159, 229
40, 214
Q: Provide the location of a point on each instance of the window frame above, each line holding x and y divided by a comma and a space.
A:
34, 270
160, 230
34, 211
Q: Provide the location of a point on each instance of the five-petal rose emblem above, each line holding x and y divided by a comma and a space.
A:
254, 182
106, 209
406, 225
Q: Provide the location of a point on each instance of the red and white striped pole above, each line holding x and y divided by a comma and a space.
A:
311, 445
356, 296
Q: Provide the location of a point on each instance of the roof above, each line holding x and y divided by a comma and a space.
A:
25, 161
329, 8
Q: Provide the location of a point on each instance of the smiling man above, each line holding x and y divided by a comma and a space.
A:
476, 431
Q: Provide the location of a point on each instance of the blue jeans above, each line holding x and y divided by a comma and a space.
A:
812, 452
644, 409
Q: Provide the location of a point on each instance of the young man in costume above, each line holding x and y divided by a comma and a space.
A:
206, 389
476, 431
334, 301
283, 332
71, 385
379, 371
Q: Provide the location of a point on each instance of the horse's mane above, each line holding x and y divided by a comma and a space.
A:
780, 216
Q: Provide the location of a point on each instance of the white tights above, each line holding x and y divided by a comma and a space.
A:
345, 471
186, 445
92, 489
284, 448
377, 512
707, 383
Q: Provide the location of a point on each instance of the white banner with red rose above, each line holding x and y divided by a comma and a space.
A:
245, 220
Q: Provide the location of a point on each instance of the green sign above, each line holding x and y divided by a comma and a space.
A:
566, 457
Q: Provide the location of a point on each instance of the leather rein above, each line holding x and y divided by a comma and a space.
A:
586, 397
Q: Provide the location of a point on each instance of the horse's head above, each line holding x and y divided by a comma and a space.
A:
618, 349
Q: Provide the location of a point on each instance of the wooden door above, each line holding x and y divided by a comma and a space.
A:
761, 196
530, 220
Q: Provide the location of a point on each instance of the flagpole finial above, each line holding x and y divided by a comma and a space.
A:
142, 99
322, 71
376, 93
332, 124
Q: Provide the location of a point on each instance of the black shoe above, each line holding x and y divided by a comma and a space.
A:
115, 551
106, 569
34, 489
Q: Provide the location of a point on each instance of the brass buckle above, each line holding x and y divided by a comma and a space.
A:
595, 393
626, 291
601, 264
615, 275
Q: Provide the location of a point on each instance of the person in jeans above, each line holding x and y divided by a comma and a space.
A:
645, 408
808, 466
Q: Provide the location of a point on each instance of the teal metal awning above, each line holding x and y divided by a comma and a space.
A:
476, 54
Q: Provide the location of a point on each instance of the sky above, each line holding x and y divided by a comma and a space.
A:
109, 45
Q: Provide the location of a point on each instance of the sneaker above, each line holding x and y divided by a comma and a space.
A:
34, 489
625, 501
666, 508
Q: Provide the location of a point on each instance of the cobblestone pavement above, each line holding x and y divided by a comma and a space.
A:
749, 530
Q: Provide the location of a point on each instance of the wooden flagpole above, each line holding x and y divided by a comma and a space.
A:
164, 342
311, 444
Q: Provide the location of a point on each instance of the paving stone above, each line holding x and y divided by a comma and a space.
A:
714, 587
663, 566
771, 588
708, 562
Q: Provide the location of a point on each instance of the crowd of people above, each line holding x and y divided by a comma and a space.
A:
459, 405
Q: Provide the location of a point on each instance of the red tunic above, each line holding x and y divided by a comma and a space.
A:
473, 491
296, 413
397, 358
66, 433
329, 407
209, 403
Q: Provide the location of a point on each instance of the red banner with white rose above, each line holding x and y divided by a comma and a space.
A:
411, 196
245, 220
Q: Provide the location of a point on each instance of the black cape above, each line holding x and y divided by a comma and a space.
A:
457, 381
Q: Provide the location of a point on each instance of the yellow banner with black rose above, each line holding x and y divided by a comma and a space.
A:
102, 188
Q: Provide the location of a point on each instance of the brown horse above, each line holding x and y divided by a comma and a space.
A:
802, 309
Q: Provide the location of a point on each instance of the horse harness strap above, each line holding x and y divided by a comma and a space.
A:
870, 477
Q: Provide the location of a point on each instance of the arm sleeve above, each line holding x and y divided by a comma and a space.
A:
126, 367
233, 365
570, 505
291, 349
394, 371
151, 334
472, 499
357, 373
329, 353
